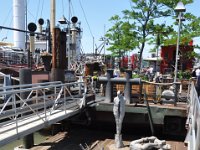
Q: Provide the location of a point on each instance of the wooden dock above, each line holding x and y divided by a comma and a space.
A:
107, 144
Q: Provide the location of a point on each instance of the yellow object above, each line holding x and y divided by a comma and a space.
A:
6, 44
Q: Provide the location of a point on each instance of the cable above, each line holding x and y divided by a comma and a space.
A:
9, 25
86, 19
72, 10
37, 11
31, 14
62, 7
28, 12
42, 8
7, 17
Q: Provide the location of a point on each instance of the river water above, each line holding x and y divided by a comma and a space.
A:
38, 138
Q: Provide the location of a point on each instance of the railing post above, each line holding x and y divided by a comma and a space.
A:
80, 84
16, 120
197, 146
109, 86
127, 91
25, 76
45, 112
65, 99
176, 93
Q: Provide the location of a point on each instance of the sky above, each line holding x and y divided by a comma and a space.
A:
93, 15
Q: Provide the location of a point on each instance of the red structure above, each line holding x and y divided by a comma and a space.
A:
133, 59
168, 54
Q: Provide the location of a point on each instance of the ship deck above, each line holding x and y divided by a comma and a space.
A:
63, 141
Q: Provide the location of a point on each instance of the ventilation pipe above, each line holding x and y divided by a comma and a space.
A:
40, 23
19, 23
74, 36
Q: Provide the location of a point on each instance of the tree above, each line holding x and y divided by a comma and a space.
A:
121, 36
145, 18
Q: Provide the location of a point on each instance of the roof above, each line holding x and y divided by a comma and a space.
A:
152, 59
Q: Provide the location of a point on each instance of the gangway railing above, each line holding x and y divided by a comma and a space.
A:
193, 121
29, 108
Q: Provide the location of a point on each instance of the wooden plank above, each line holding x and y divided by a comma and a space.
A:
108, 144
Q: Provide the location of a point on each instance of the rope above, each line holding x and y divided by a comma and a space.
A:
42, 8
71, 10
86, 19
159, 83
7, 16
37, 11
8, 31
62, 7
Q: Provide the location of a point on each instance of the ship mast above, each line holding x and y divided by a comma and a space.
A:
53, 14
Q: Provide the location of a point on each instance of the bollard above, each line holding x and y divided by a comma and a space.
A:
109, 80
109, 88
127, 91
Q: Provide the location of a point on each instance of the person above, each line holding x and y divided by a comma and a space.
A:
194, 73
198, 71
150, 73
198, 86
151, 70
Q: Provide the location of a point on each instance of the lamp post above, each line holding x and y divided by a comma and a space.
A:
180, 8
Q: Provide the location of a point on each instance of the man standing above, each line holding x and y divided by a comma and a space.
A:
197, 72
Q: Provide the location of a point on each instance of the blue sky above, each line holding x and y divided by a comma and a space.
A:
97, 14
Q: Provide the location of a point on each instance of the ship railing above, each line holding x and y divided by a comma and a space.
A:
193, 120
33, 102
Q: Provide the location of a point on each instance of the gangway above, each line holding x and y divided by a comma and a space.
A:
28, 108
193, 121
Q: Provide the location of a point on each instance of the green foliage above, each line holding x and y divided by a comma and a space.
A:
184, 75
135, 76
144, 21
143, 77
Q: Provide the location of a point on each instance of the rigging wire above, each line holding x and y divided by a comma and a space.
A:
86, 19
42, 8
82, 49
8, 31
7, 16
37, 11
72, 10
28, 12
4, 22
62, 8
31, 14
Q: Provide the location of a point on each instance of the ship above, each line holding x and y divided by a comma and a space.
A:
146, 108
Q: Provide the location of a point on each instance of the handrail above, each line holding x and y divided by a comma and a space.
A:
39, 100
193, 120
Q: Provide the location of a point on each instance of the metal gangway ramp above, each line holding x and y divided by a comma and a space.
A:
28, 108
193, 121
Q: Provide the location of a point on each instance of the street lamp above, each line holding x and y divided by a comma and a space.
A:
180, 8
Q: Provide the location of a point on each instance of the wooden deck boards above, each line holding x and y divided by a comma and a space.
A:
107, 144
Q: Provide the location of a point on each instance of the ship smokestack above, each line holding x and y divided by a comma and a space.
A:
19, 23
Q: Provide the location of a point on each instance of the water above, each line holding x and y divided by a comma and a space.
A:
38, 138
